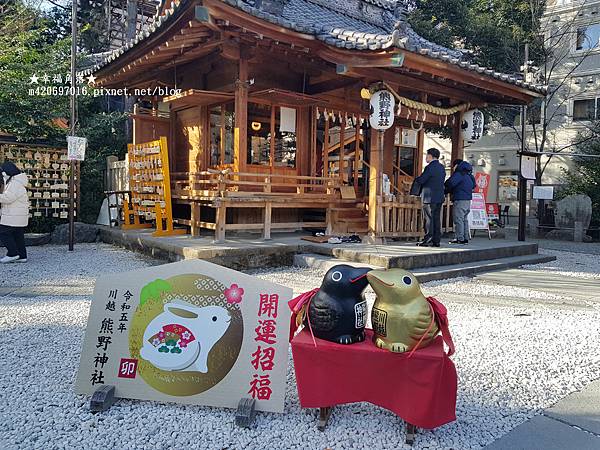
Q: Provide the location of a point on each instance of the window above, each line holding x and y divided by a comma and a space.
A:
508, 186
262, 119
285, 137
407, 161
259, 134
507, 116
222, 122
588, 37
584, 109
404, 158
510, 116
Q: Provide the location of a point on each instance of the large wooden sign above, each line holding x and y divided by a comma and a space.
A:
188, 332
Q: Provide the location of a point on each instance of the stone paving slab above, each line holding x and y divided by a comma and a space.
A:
555, 283
47, 291
581, 409
6, 290
324, 263
242, 253
545, 433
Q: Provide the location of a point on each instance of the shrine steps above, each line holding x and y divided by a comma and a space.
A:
350, 218
408, 256
248, 252
324, 263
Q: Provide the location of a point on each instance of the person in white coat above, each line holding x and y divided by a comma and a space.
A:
14, 213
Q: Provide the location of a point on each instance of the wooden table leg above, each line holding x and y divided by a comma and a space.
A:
324, 415
411, 432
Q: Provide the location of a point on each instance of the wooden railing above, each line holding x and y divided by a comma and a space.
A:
447, 221
228, 184
402, 217
224, 189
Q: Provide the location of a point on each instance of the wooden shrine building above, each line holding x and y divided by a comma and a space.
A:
269, 129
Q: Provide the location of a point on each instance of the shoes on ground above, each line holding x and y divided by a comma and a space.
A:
455, 241
8, 259
21, 260
435, 245
464, 242
423, 243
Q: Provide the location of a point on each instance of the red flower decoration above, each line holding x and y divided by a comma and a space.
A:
234, 294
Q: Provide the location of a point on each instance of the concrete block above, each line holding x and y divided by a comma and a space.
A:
532, 227
544, 433
581, 408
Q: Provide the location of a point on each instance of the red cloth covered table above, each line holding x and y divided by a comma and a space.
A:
420, 389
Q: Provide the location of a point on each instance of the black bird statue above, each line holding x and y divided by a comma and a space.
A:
338, 311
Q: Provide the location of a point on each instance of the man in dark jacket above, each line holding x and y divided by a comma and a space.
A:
432, 196
460, 186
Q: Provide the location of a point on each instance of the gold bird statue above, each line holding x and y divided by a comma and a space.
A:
402, 317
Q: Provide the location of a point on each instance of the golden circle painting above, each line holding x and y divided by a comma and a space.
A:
186, 333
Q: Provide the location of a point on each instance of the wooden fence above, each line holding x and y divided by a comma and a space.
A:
116, 175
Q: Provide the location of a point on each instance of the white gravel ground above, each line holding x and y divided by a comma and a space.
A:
512, 361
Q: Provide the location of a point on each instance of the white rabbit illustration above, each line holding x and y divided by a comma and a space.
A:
187, 348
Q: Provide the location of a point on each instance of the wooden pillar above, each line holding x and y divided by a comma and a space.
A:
420, 152
303, 141
240, 137
272, 143
313, 141
326, 147
220, 223
195, 219
375, 182
172, 143
356, 153
342, 166
387, 162
458, 150
267, 221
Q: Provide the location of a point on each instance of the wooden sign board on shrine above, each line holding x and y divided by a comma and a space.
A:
188, 332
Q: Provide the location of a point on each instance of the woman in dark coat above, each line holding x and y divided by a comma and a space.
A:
460, 186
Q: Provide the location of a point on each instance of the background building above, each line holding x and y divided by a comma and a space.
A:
571, 69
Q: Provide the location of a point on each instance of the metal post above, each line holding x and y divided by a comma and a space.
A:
73, 124
522, 180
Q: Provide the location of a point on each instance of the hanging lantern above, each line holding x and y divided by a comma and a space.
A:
382, 110
256, 126
365, 94
472, 125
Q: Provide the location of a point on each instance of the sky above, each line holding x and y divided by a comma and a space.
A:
45, 4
